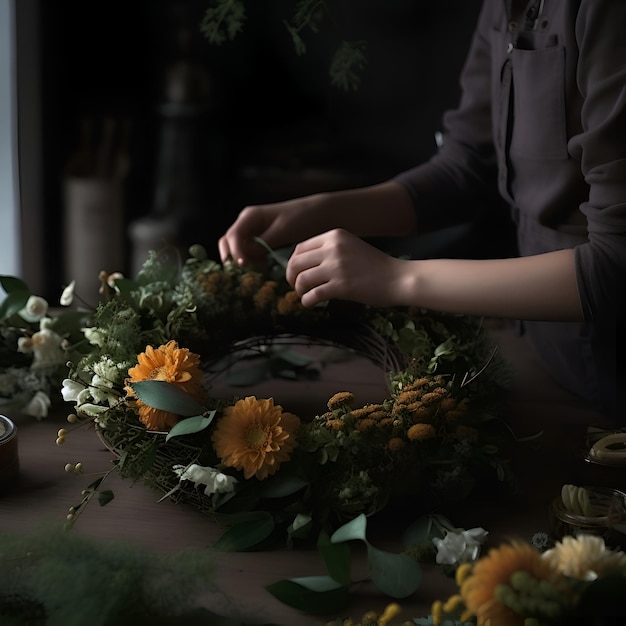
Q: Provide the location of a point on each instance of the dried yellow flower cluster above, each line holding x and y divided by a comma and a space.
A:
423, 409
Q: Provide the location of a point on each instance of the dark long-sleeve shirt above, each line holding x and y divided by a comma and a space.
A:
542, 119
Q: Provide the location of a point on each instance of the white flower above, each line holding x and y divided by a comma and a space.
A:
459, 546
67, 297
71, 390
47, 347
24, 345
92, 410
38, 405
36, 308
215, 481
94, 336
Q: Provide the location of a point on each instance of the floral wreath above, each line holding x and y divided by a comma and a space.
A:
154, 343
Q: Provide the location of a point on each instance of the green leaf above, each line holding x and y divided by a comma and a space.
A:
276, 257
250, 375
295, 358
603, 596
337, 558
12, 284
300, 527
166, 396
354, 529
313, 594
246, 535
190, 425
148, 456
419, 532
104, 497
396, 575
281, 485
14, 302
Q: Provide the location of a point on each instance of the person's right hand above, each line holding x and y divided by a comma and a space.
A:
278, 224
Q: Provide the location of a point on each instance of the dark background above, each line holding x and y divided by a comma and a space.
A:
270, 126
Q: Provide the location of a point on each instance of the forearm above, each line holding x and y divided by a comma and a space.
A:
382, 210
541, 287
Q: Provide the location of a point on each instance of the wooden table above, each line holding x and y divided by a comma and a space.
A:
45, 491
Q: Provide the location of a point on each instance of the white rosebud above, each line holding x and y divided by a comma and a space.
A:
46, 344
38, 405
36, 308
71, 389
215, 481
67, 297
459, 547
25, 345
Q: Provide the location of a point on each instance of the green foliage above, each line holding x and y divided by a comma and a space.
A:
224, 19
395, 575
347, 64
65, 578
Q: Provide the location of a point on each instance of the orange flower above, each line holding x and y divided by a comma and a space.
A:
418, 432
495, 569
255, 436
173, 365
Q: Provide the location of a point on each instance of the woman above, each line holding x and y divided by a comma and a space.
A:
542, 120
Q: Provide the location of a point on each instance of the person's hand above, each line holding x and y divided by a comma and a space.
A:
278, 224
339, 265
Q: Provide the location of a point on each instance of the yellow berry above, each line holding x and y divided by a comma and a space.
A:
69, 468
60, 441
78, 468
72, 418
62, 432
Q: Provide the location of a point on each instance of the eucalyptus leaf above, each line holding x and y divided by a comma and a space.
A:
246, 535
301, 526
396, 575
337, 558
315, 594
281, 485
295, 358
276, 257
14, 301
190, 425
104, 497
166, 396
353, 530
419, 532
250, 375
11, 284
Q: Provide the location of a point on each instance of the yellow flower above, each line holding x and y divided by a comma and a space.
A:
255, 436
408, 397
396, 444
171, 364
418, 432
250, 282
585, 557
290, 303
496, 569
265, 296
365, 424
343, 398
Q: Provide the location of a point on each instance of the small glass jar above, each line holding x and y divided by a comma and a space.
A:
9, 461
609, 523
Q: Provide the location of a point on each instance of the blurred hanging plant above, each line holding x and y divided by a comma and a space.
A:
224, 19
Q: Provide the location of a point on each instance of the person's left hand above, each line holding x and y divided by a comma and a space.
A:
339, 265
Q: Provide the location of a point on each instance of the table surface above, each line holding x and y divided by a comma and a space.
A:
44, 491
